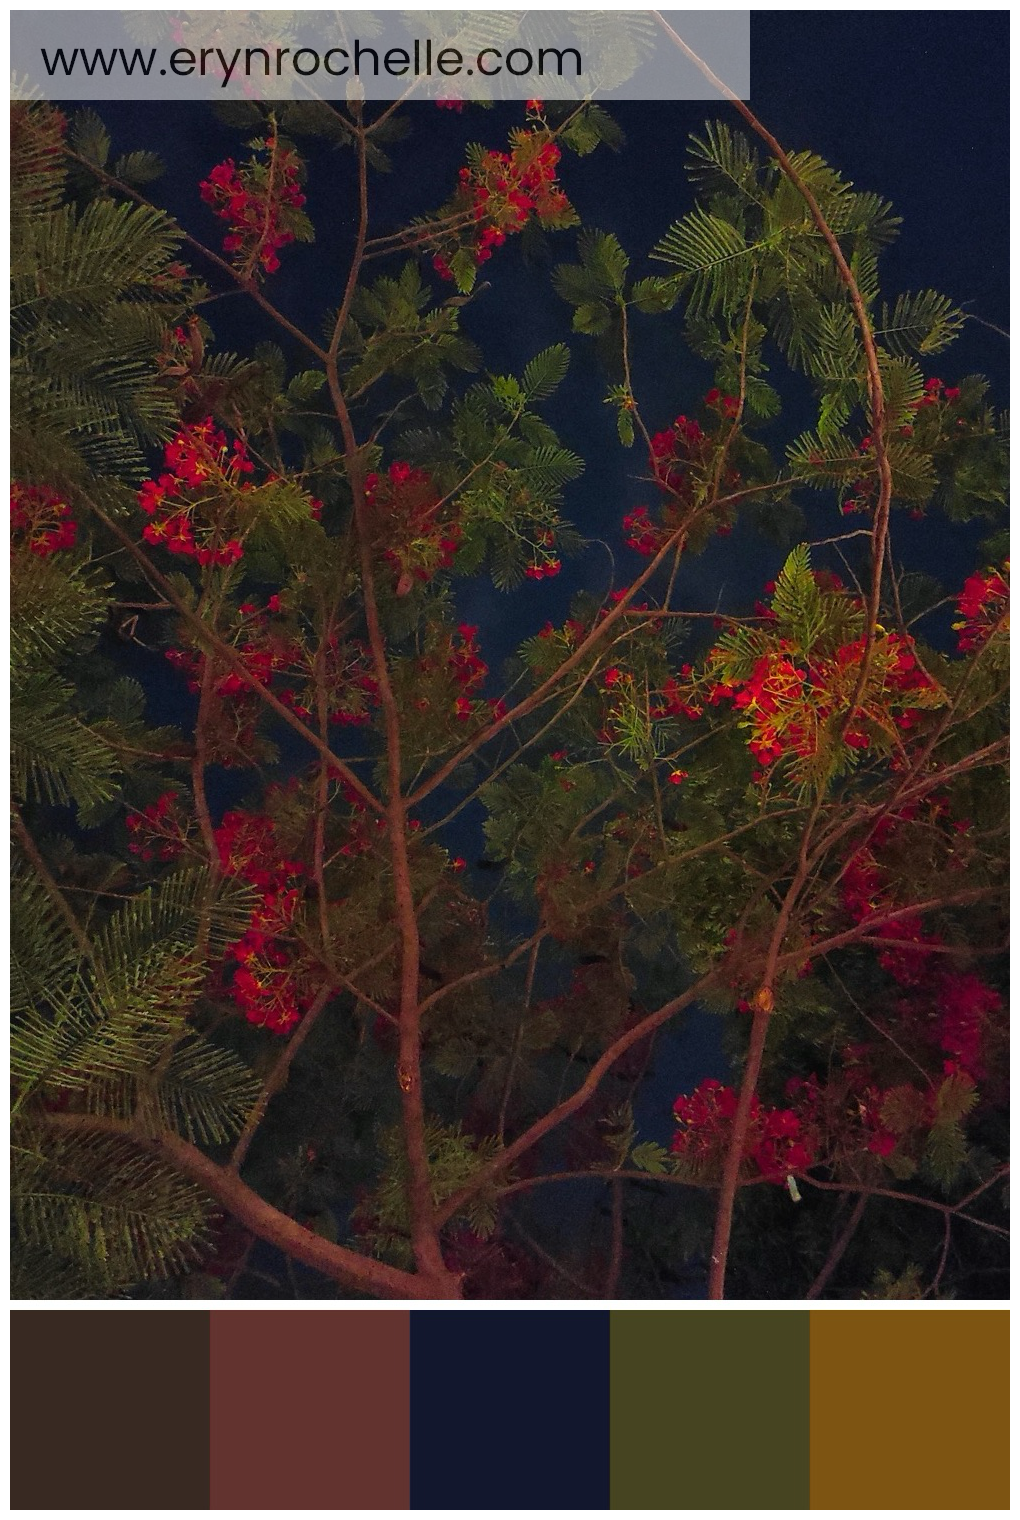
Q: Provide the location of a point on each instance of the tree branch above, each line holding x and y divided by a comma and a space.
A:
577, 1099
53, 891
337, 1262
839, 1246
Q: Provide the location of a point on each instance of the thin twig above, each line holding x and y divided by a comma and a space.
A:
53, 891
839, 1247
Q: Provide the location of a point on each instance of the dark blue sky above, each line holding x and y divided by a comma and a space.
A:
913, 105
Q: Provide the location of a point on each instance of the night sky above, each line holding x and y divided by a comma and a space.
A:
912, 105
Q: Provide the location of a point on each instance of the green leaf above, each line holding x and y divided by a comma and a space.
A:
724, 162
88, 136
713, 258
464, 270
139, 168
956, 1097
650, 1157
591, 317
306, 385
797, 601
545, 372
921, 323
654, 294
945, 1152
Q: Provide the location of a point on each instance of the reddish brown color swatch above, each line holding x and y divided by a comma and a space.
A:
310, 1409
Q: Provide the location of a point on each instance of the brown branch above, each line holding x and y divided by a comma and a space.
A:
198, 765
588, 645
874, 920
839, 1247
53, 891
480, 973
424, 1228
763, 1007
955, 1210
551, 1261
251, 1211
880, 528
549, 685
322, 796
359, 247
616, 1240
277, 1077
947, 1237
577, 1099
628, 1174
515, 1049
880, 533
735, 1150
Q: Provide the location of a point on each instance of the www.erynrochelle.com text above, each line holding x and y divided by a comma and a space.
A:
421, 59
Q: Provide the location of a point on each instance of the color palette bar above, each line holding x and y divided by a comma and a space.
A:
509, 1409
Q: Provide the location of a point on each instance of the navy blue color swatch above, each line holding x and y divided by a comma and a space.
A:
510, 1410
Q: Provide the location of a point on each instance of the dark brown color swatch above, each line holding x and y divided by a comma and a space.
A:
109, 1409
310, 1409
910, 1409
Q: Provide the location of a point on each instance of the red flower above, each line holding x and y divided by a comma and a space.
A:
261, 202
39, 519
500, 193
982, 604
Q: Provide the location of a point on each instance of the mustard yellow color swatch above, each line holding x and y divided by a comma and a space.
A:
910, 1409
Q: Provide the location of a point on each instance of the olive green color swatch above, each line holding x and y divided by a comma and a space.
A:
709, 1409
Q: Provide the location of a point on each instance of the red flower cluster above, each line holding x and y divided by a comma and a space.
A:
789, 697
458, 657
465, 661
727, 406
160, 831
677, 456
674, 703
405, 505
271, 650
674, 449
849, 1108
39, 519
934, 392
966, 1005
774, 693
259, 202
983, 603
197, 460
500, 193
352, 689
778, 1139
266, 985
640, 533
947, 1008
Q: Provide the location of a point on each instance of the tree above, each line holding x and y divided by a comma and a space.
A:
260, 997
